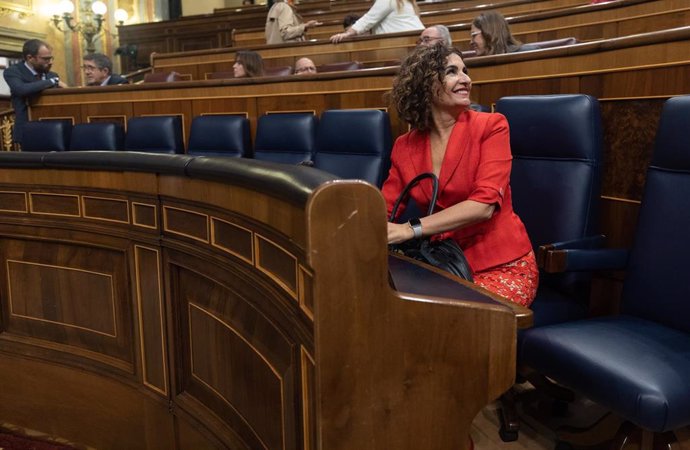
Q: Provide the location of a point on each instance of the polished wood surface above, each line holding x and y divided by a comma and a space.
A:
584, 22
236, 320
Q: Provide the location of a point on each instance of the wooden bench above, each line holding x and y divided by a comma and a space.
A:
626, 16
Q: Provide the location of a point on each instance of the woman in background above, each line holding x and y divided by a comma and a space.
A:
490, 35
248, 64
469, 152
385, 16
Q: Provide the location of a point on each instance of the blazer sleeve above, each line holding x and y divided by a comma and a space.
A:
375, 15
23, 88
493, 173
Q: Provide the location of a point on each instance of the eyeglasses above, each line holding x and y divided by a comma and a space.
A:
305, 69
427, 40
90, 68
45, 58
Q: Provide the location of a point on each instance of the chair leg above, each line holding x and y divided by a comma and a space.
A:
510, 423
682, 439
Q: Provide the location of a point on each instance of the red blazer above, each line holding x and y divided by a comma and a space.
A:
476, 166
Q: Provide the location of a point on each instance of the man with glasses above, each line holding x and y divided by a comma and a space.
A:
98, 71
30, 78
435, 34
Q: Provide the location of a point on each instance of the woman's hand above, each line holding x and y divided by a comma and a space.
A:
340, 36
399, 232
312, 24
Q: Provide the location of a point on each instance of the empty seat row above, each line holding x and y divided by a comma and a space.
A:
347, 143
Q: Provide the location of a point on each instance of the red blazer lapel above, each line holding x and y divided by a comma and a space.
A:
420, 162
458, 143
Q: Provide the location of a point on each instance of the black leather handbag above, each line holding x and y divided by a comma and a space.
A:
445, 254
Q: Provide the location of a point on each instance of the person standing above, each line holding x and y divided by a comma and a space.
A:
385, 16
283, 24
29, 78
98, 71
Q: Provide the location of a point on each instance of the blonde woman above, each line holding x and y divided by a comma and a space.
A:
385, 16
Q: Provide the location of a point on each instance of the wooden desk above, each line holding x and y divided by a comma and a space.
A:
153, 302
585, 22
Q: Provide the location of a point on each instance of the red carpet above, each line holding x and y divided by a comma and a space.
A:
15, 442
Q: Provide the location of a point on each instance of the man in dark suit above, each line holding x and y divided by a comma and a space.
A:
98, 71
29, 78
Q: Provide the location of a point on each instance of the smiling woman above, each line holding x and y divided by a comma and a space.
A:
469, 152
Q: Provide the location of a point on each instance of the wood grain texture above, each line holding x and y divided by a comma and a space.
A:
238, 323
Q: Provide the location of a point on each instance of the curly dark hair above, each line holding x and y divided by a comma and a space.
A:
413, 89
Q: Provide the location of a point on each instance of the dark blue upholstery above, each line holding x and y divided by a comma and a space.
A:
97, 136
354, 143
556, 143
47, 136
287, 138
638, 364
220, 135
155, 134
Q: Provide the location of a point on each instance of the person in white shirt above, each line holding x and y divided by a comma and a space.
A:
385, 16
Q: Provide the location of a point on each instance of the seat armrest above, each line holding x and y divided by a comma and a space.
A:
588, 242
574, 260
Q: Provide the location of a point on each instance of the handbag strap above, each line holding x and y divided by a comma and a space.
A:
405, 192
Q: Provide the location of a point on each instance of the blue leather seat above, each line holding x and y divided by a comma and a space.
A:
155, 134
637, 363
47, 136
220, 135
354, 144
97, 136
287, 138
556, 142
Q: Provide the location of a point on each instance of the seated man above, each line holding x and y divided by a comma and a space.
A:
304, 66
435, 34
98, 71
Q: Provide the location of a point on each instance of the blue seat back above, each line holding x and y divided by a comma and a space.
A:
556, 141
656, 285
220, 135
354, 144
97, 136
287, 138
47, 136
155, 134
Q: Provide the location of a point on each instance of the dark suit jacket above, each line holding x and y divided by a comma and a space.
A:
23, 85
117, 79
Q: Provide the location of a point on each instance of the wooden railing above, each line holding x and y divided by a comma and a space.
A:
585, 23
631, 76
160, 302
218, 30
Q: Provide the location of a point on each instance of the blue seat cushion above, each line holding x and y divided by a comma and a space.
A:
638, 369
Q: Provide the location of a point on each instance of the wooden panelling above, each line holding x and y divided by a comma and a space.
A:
13, 202
26, 300
257, 336
68, 298
151, 313
105, 209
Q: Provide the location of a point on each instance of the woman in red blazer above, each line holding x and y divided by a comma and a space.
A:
470, 154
